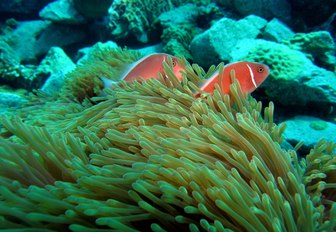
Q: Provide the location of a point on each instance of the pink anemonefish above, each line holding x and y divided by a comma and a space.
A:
147, 67
249, 75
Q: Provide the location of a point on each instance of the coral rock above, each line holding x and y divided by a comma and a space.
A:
215, 44
309, 130
56, 64
277, 31
62, 11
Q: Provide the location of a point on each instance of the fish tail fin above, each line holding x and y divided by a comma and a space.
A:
108, 83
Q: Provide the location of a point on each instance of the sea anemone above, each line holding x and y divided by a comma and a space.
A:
151, 156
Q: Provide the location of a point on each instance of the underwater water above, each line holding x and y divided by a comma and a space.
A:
195, 115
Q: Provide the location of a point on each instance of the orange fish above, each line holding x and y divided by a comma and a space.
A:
249, 75
147, 67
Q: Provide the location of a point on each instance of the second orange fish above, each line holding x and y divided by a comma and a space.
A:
249, 75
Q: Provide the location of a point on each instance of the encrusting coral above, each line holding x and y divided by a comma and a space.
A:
150, 156
138, 18
182, 36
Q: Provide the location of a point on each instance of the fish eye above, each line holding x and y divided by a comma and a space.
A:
260, 69
174, 63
